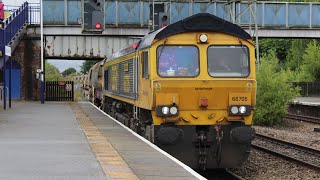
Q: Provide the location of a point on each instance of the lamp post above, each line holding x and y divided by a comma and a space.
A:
42, 58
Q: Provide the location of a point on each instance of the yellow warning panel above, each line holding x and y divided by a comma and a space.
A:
112, 163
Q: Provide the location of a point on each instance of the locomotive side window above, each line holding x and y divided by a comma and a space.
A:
228, 61
178, 61
145, 65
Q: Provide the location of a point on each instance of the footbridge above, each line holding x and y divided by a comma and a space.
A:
127, 20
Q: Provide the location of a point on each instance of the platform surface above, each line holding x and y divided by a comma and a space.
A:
308, 101
44, 142
47, 142
145, 161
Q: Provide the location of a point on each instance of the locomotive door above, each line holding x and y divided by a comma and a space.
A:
144, 83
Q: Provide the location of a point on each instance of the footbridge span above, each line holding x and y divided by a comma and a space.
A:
127, 20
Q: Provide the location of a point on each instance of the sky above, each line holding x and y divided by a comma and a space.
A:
65, 64
18, 2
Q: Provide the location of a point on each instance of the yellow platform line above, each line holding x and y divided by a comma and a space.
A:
110, 160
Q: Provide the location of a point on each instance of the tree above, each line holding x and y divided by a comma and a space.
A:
86, 66
280, 46
274, 93
68, 71
294, 58
310, 68
52, 73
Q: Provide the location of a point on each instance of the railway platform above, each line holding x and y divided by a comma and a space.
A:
306, 106
77, 141
307, 101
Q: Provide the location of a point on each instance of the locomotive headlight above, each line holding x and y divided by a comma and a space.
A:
242, 109
165, 110
173, 110
234, 110
203, 38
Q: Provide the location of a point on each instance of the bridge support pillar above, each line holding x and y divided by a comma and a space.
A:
27, 54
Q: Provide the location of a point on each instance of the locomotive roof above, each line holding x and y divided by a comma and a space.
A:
198, 22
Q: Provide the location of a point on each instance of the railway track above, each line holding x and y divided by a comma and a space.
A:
300, 154
303, 118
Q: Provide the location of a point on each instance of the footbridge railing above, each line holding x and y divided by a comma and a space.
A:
11, 26
14, 27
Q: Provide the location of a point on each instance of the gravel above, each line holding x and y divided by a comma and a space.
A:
261, 165
264, 166
297, 132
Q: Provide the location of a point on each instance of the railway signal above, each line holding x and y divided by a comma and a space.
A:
164, 19
93, 16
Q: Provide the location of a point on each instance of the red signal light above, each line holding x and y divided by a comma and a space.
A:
98, 26
134, 46
164, 25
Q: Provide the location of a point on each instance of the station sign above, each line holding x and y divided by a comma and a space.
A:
68, 87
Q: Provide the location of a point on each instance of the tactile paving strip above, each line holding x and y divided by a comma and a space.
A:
110, 160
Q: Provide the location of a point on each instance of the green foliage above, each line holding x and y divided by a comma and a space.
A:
281, 47
70, 77
273, 92
310, 68
68, 71
52, 73
294, 58
86, 66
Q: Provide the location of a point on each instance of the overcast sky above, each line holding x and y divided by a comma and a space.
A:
18, 2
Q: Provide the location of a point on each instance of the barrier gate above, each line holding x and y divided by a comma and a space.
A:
59, 91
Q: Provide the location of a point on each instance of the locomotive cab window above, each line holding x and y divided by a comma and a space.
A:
228, 61
145, 65
177, 61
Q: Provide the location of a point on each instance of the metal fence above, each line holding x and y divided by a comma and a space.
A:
59, 91
34, 13
308, 88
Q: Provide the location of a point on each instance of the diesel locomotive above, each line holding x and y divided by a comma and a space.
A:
189, 87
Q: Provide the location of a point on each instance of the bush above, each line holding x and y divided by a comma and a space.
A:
274, 93
310, 68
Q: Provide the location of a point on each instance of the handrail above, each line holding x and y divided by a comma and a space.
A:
13, 23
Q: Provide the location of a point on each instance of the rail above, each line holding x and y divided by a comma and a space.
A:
293, 152
297, 117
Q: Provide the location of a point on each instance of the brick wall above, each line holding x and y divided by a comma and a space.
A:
27, 54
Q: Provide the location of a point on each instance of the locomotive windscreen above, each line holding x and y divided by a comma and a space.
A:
178, 61
228, 61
